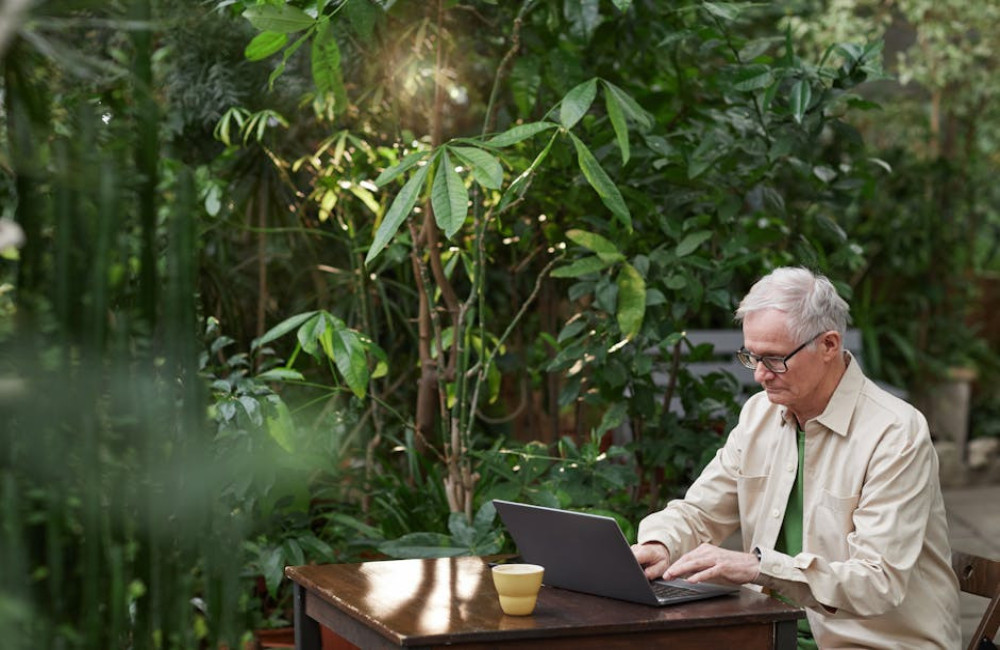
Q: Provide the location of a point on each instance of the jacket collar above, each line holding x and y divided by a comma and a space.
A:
836, 417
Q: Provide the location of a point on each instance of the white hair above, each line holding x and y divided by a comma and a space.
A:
810, 300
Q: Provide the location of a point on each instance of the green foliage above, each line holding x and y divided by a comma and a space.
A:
480, 537
705, 168
929, 221
522, 205
287, 482
323, 335
109, 496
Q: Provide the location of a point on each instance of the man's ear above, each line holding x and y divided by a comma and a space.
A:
831, 344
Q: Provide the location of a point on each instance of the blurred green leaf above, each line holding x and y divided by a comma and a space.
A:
349, 356
399, 168
576, 103
617, 117
692, 242
280, 374
281, 427
283, 18
602, 183
753, 77
630, 108
361, 14
519, 133
631, 301
264, 45
282, 328
604, 248
485, 167
581, 267
449, 198
401, 208
800, 98
326, 72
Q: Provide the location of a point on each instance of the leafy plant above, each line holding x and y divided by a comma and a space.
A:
281, 475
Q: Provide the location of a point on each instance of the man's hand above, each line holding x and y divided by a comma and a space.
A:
709, 563
654, 558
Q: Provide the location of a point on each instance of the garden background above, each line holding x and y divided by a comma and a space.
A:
313, 281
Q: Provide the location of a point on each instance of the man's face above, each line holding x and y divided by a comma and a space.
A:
765, 333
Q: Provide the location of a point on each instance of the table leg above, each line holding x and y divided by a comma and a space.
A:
307, 635
786, 635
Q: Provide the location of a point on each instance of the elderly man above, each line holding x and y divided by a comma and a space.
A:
832, 482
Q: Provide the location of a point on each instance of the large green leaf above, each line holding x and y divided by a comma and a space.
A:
401, 207
631, 301
326, 72
520, 184
728, 11
285, 56
604, 248
449, 198
281, 427
525, 81
800, 98
273, 570
753, 77
617, 117
706, 153
280, 374
483, 521
692, 241
361, 14
399, 168
282, 328
581, 267
519, 133
613, 418
602, 183
631, 108
485, 167
311, 334
350, 359
583, 16
366, 197
576, 103
282, 18
264, 45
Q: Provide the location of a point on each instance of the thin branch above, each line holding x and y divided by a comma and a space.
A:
515, 45
510, 328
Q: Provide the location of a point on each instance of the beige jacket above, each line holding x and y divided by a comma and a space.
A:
875, 570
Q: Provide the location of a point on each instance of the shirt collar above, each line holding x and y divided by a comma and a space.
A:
836, 417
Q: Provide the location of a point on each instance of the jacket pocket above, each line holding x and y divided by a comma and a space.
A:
833, 521
838, 504
746, 485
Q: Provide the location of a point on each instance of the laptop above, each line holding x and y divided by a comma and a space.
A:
589, 553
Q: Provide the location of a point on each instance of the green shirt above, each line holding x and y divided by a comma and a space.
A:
790, 537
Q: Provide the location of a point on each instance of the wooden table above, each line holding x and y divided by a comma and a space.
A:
452, 602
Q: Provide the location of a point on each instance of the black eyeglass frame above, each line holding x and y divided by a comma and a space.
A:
750, 360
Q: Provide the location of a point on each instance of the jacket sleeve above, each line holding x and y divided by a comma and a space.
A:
889, 524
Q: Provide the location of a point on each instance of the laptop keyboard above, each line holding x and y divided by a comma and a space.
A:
663, 590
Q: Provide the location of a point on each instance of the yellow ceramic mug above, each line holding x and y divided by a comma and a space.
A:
517, 586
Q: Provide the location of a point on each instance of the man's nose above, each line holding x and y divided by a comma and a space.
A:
761, 373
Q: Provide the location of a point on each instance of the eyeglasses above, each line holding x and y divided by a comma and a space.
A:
777, 365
